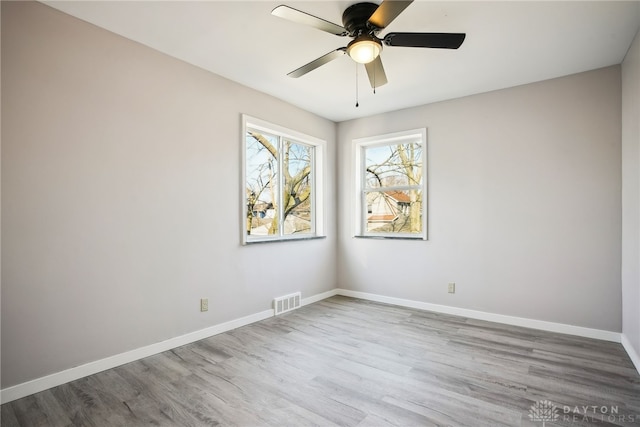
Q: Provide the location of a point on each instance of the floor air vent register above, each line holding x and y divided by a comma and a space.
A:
287, 303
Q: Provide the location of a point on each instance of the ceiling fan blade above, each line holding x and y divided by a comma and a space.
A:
433, 40
387, 12
317, 63
375, 71
295, 15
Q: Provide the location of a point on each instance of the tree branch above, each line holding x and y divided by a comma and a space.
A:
265, 143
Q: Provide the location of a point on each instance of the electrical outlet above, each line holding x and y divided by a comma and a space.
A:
452, 288
204, 304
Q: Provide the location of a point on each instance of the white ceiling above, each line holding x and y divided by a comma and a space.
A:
507, 44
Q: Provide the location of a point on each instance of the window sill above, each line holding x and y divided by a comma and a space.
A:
418, 238
292, 239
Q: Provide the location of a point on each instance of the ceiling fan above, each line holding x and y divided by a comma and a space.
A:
362, 22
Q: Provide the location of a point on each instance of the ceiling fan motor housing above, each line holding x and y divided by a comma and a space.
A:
355, 17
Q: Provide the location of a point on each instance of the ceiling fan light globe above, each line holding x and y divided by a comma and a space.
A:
364, 50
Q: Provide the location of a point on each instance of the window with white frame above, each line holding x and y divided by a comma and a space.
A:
391, 185
282, 188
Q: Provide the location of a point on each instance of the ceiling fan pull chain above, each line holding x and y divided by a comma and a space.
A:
374, 80
357, 105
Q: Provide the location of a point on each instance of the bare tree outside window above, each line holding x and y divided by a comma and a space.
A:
262, 183
279, 182
392, 186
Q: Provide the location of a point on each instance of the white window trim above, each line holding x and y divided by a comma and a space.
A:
317, 181
359, 210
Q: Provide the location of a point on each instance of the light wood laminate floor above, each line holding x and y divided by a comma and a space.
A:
350, 362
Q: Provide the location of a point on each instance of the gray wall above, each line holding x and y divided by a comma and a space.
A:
121, 197
631, 195
524, 204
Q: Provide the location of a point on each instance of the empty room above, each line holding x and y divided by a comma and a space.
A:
320, 213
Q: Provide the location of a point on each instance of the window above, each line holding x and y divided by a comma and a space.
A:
282, 188
391, 185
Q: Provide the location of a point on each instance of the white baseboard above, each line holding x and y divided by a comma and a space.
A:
491, 317
319, 297
633, 354
40, 384
44, 383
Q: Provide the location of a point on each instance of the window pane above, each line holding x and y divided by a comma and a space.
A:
297, 195
392, 165
394, 211
282, 183
262, 183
